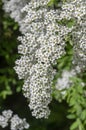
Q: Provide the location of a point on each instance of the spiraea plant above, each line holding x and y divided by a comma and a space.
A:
45, 26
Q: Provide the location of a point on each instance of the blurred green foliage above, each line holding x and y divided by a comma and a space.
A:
8, 49
76, 99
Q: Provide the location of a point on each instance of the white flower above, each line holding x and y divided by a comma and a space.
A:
13, 7
7, 114
3, 121
65, 81
16, 123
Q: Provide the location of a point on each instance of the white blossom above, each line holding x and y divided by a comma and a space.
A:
76, 9
64, 82
16, 123
7, 114
43, 42
3, 121
14, 8
5, 117
42, 47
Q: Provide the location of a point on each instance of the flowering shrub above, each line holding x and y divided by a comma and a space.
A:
51, 33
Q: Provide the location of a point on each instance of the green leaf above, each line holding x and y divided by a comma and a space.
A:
83, 115
51, 2
70, 23
74, 125
71, 116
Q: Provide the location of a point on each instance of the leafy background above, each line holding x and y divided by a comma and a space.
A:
11, 96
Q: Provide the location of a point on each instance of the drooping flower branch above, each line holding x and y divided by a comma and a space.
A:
41, 48
43, 43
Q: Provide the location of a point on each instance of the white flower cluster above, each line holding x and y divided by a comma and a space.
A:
13, 7
65, 81
15, 122
43, 43
76, 9
40, 48
80, 45
18, 123
5, 117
